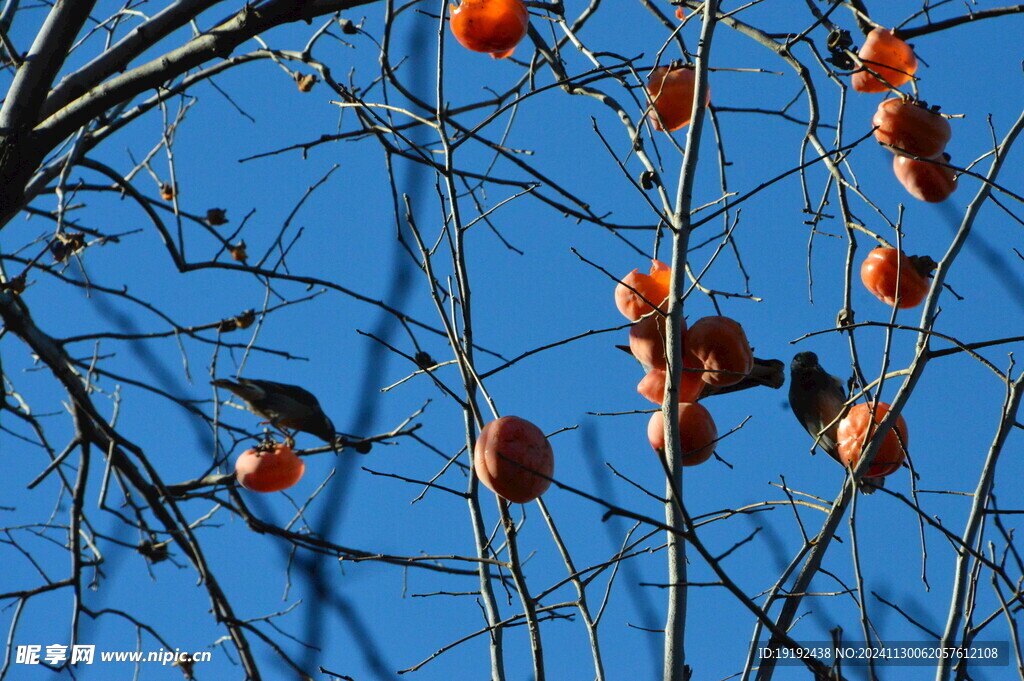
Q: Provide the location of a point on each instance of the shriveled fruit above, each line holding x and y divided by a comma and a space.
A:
671, 91
509, 454
720, 346
269, 467
854, 431
637, 292
889, 57
910, 128
889, 274
238, 251
306, 82
492, 26
925, 180
697, 433
216, 216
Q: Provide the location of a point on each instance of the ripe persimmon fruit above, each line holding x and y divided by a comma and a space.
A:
509, 454
909, 127
647, 340
671, 91
930, 180
697, 433
491, 26
889, 273
889, 57
854, 431
720, 345
269, 467
652, 386
637, 292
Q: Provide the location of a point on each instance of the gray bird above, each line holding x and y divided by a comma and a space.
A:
284, 406
770, 373
817, 398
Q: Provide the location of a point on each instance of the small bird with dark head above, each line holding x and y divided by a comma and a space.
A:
286, 407
818, 399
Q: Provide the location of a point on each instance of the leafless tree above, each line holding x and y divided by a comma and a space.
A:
83, 77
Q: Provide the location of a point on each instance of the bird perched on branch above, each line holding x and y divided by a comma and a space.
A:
818, 399
770, 373
286, 407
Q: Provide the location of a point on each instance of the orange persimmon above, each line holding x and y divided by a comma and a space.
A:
492, 26
508, 455
853, 432
269, 467
652, 386
697, 433
887, 273
928, 180
671, 91
637, 292
889, 57
909, 127
721, 347
647, 340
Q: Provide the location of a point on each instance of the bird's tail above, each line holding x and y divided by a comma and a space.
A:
871, 485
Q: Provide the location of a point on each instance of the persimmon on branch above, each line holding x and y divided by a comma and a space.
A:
478, 163
93, 429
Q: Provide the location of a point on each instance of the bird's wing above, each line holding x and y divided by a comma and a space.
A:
836, 386
283, 405
292, 391
831, 405
770, 373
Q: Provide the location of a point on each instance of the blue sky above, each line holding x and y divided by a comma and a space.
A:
368, 620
